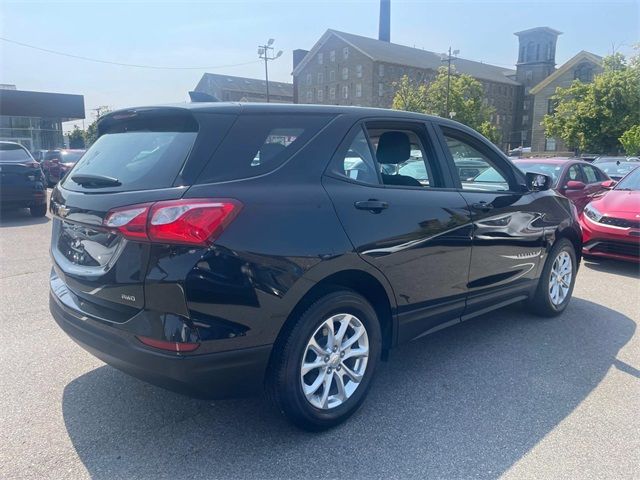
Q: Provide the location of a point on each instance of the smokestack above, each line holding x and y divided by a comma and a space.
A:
384, 28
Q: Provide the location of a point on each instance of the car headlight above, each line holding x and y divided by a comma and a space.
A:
592, 212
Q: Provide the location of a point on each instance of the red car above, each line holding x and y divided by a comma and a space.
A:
611, 224
57, 163
577, 180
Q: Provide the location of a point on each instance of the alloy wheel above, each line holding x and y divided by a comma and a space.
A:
334, 361
560, 278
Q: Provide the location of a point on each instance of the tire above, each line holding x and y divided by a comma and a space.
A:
285, 380
38, 210
543, 302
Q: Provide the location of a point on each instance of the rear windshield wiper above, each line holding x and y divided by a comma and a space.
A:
95, 181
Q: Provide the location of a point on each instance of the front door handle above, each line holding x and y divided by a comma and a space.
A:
375, 206
482, 206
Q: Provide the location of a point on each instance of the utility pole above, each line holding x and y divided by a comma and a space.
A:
448, 57
263, 53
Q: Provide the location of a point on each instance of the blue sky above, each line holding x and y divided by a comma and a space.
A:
212, 33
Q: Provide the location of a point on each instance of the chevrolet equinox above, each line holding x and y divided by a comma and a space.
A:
222, 249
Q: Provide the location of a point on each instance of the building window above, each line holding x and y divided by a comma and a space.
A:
345, 73
381, 70
525, 119
332, 93
359, 71
309, 96
345, 52
345, 91
528, 76
332, 75
380, 89
332, 55
319, 95
320, 78
584, 73
309, 79
320, 58
550, 144
525, 105
551, 106
358, 90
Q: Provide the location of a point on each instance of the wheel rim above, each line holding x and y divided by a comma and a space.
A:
334, 361
560, 278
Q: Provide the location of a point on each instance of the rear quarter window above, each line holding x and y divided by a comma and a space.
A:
260, 143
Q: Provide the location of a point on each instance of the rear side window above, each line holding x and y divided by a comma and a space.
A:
11, 152
258, 144
143, 152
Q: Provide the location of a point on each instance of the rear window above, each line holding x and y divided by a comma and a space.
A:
10, 152
258, 144
143, 152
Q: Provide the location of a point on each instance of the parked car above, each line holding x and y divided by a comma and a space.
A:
617, 170
21, 180
605, 159
611, 224
579, 181
274, 262
38, 155
57, 163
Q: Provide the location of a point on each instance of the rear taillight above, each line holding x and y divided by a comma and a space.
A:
185, 222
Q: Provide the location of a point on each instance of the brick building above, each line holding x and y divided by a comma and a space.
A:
347, 69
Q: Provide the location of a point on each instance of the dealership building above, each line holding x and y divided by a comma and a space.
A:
35, 119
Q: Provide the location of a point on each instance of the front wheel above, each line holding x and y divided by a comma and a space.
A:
557, 280
323, 370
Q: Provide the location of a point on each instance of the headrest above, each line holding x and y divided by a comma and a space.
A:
393, 148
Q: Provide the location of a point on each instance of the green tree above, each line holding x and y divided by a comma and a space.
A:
91, 133
594, 116
76, 137
409, 96
630, 140
466, 100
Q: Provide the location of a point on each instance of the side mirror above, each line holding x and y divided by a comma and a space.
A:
608, 184
538, 182
575, 185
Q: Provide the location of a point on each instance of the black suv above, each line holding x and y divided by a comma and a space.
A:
219, 249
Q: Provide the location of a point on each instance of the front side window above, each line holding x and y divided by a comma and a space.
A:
476, 170
574, 173
590, 174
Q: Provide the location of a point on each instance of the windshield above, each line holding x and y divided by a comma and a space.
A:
630, 182
10, 152
617, 170
549, 169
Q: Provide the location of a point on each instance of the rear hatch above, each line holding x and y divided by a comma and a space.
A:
20, 174
141, 157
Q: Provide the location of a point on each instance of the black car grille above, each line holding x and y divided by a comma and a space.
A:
616, 248
620, 222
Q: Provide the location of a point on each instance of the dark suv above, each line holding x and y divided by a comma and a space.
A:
219, 249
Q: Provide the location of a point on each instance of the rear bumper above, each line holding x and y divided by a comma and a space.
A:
212, 375
23, 197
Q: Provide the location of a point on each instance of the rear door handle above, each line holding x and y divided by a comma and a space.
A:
375, 206
482, 206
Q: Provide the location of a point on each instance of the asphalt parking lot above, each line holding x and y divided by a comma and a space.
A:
505, 395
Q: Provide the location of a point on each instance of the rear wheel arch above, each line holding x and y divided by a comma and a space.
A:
358, 281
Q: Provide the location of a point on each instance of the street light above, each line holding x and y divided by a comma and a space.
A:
447, 57
263, 53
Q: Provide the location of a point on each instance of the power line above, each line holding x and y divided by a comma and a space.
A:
133, 65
